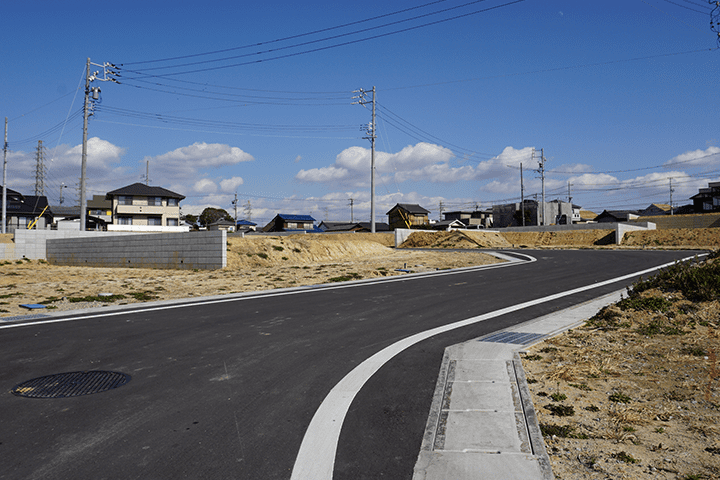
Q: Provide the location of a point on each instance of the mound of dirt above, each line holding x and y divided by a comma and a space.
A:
576, 238
674, 237
455, 239
263, 251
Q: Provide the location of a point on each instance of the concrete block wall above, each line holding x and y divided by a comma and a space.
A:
32, 243
698, 220
196, 250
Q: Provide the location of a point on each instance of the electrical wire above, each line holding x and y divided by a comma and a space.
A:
292, 37
318, 49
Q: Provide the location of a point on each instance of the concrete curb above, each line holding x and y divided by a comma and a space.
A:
472, 453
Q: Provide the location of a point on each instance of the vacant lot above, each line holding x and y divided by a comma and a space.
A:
254, 263
634, 392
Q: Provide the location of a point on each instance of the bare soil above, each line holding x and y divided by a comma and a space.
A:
639, 400
623, 402
254, 263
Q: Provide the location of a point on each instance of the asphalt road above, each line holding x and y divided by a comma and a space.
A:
225, 389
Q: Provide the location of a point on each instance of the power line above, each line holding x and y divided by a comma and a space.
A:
292, 37
318, 49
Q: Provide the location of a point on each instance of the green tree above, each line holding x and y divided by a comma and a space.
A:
212, 215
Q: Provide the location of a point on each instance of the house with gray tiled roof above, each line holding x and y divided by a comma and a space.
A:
145, 206
284, 222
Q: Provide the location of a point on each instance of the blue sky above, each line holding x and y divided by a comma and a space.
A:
622, 96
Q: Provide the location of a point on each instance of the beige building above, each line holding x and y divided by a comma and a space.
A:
142, 205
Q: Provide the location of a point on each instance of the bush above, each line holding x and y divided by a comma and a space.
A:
698, 283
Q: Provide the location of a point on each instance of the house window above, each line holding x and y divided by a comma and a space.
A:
125, 200
172, 222
155, 201
716, 201
124, 221
172, 202
155, 221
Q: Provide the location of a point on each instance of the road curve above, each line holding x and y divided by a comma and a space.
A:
227, 387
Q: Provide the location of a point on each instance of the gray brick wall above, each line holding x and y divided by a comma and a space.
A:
191, 250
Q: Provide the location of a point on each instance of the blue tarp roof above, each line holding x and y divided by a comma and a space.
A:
296, 218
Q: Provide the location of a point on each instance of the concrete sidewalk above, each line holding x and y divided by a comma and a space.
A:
482, 422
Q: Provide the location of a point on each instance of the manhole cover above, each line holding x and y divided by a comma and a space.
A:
73, 384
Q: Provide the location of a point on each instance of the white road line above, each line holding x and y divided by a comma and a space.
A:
316, 457
274, 293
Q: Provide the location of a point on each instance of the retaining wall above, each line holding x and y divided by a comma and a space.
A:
401, 234
32, 243
196, 250
698, 220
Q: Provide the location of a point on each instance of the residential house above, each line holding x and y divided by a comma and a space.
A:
145, 206
100, 207
707, 199
472, 218
291, 223
586, 216
447, 225
245, 226
655, 209
335, 227
23, 210
511, 214
222, 224
617, 216
407, 215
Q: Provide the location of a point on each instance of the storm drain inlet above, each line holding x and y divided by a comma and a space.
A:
72, 384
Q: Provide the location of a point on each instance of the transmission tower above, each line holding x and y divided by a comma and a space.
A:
248, 211
40, 170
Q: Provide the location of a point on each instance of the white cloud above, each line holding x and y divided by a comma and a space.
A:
185, 161
324, 174
100, 153
231, 184
205, 186
298, 158
696, 157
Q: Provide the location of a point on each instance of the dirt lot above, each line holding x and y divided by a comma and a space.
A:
634, 392
616, 398
254, 263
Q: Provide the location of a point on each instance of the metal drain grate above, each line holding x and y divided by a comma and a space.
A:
73, 384
519, 338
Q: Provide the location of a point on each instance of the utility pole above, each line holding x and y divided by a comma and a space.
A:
235, 203
109, 72
671, 192
362, 100
522, 196
4, 197
40, 170
569, 197
541, 170
352, 218
441, 207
